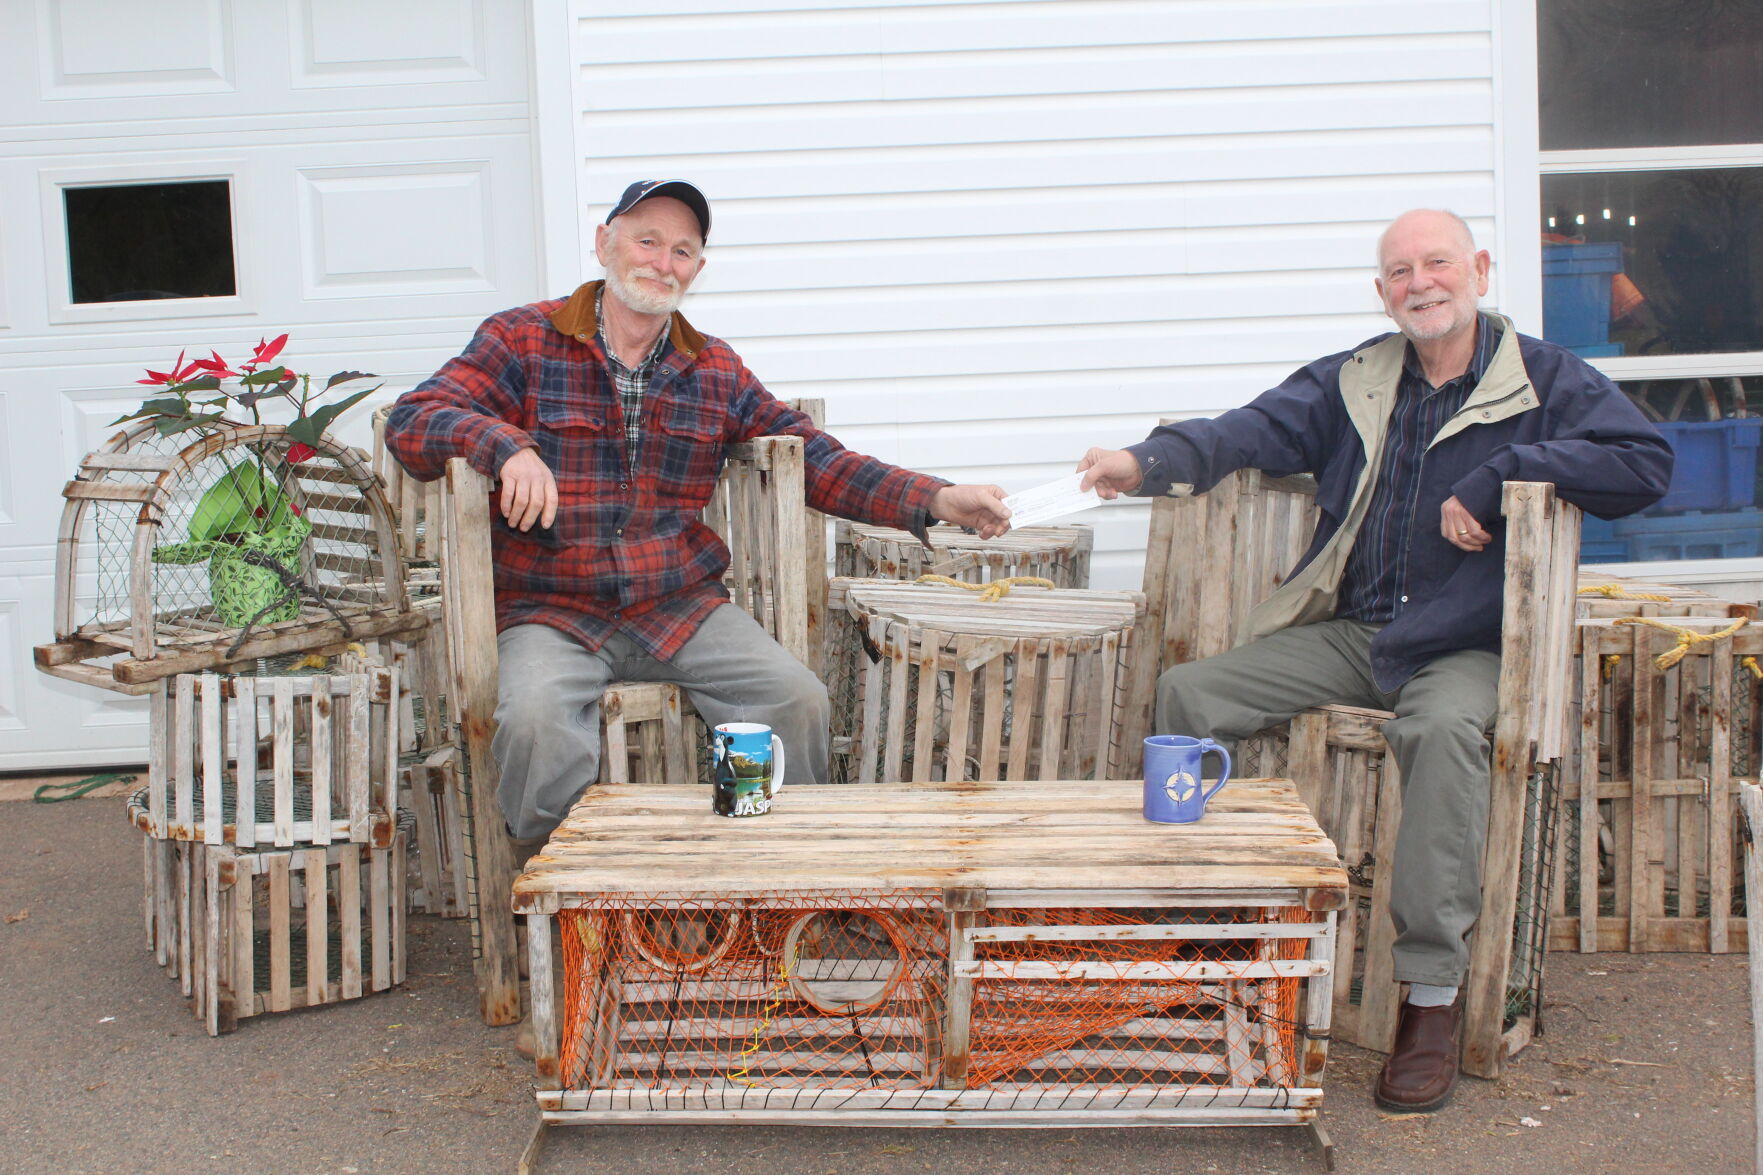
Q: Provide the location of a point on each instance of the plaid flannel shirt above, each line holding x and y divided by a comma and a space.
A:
628, 550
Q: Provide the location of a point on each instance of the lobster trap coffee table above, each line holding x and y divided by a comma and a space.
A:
933, 954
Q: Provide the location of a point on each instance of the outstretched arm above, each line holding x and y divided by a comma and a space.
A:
976, 506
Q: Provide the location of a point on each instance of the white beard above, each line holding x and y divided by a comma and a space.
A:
642, 299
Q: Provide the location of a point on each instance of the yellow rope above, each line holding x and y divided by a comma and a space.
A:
1611, 661
1751, 664
1615, 591
996, 590
774, 1000
1686, 638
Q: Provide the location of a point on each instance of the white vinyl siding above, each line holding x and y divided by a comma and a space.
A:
994, 234
383, 199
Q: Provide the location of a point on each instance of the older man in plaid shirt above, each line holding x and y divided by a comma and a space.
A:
606, 417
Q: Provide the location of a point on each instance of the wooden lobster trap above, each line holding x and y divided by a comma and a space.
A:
167, 561
1060, 554
246, 932
1671, 718
272, 760
949, 685
943, 954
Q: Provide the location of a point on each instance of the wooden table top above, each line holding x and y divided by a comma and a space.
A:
1257, 837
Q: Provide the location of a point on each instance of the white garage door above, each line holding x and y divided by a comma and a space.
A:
369, 165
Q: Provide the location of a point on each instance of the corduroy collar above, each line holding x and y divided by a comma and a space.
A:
576, 318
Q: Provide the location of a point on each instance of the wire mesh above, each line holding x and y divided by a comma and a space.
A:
821, 992
797, 992
212, 550
1137, 1013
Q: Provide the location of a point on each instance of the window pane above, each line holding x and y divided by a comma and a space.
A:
1654, 262
1649, 73
1711, 511
137, 241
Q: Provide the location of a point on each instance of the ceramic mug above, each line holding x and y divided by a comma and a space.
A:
749, 768
1175, 792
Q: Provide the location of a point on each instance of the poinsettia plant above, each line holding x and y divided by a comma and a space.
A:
245, 524
198, 397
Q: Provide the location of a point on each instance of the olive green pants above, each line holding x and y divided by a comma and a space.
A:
1438, 738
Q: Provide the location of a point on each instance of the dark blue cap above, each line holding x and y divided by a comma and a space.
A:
680, 190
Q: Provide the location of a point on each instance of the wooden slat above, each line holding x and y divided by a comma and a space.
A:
245, 761
322, 757
379, 908
280, 951
471, 624
213, 742
313, 873
182, 819
349, 919
357, 768
282, 761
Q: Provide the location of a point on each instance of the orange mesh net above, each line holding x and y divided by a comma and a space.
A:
817, 992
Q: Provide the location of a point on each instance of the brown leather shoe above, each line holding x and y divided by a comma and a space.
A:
1423, 1066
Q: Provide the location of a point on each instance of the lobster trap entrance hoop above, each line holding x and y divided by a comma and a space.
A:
141, 596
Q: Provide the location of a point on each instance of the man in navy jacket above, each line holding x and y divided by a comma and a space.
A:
1396, 604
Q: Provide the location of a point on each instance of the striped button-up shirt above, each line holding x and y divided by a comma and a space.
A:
1375, 585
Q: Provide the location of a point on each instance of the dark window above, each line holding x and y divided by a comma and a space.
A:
1654, 262
1649, 73
133, 242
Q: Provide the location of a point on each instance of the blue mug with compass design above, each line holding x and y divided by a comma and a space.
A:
1175, 792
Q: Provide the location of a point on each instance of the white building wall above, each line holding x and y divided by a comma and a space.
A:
383, 202
992, 234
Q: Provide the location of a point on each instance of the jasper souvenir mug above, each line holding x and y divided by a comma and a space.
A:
749, 768
1175, 792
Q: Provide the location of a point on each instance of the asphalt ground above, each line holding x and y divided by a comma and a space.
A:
1645, 1065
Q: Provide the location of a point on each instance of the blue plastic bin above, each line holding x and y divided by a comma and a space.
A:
1716, 464
1731, 535
1576, 296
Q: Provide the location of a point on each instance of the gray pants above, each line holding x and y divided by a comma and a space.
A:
1438, 738
547, 741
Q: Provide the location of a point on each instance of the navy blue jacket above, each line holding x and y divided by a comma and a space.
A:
1540, 413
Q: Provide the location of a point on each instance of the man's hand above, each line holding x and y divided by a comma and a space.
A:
976, 506
529, 492
1460, 527
1111, 472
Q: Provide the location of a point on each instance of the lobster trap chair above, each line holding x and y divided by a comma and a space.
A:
776, 572
1256, 527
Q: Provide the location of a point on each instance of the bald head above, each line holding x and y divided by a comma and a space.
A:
1430, 221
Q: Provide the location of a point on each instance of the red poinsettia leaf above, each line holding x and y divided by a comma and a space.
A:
157, 377
294, 506
300, 451
267, 351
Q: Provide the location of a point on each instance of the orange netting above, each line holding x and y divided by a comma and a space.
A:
819, 992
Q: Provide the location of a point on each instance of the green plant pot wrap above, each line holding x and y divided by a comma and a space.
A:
239, 587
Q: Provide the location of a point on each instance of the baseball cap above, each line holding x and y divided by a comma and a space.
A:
680, 190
